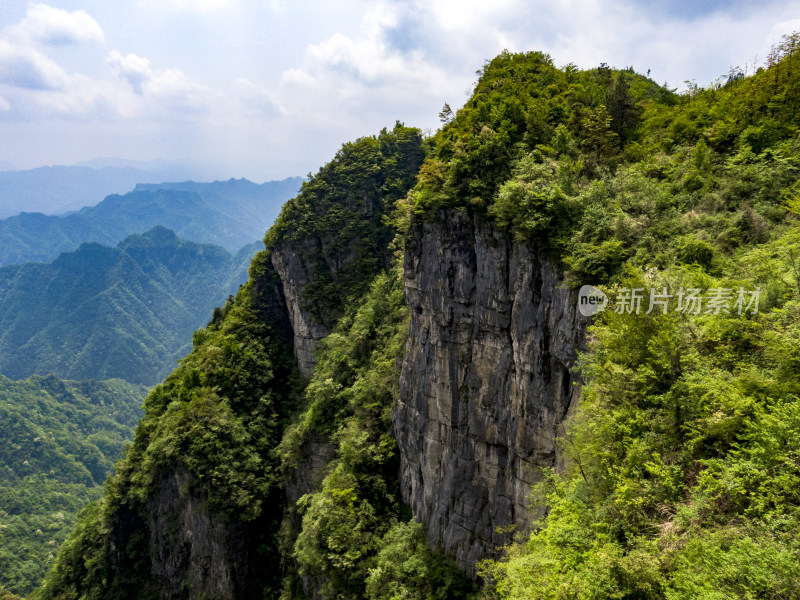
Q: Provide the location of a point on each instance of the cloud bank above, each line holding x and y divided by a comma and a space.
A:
48, 25
276, 87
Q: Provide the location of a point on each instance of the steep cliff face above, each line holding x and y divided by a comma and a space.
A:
486, 381
180, 549
329, 243
192, 550
179, 542
296, 274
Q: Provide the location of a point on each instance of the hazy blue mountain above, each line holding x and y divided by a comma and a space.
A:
59, 189
163, 168
227, 213
102, 312
60, 439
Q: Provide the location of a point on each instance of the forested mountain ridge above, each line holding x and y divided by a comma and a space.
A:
662, 445
225, 213
59, 441
124, 312
681, 458
206, 448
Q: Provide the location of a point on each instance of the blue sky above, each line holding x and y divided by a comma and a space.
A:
267, 89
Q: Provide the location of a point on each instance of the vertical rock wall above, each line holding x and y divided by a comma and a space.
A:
486, 381
296, 274
193, 552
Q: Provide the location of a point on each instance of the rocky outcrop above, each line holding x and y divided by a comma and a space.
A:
296, 274
194, 553
486, 381
178, 549
304, 264
316, 454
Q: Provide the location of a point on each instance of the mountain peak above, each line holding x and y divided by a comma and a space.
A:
158, 235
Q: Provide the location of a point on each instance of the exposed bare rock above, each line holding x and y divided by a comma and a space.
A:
317, 453
194, 553
486, 381
296, 273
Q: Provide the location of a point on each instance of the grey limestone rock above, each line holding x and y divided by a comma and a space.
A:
295, 275
486, 381
194, 553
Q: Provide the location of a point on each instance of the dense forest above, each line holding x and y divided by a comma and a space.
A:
681, 460
676, 474
59, 441
126, 312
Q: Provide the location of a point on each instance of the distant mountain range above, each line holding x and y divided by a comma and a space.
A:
103, 312
72, 305
156, 167
227, 213
60, 189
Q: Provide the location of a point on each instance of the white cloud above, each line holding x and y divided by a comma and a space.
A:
171, 87
464, 17
84, 99
783, 28
201, 5
134, 69
297, 77
405, 58
288, 82
257, 100
35, 83
28, 68
53, 26
371, 66
676, 45
277, 6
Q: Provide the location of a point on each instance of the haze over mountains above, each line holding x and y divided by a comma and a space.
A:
228, 213
105, 295
73, 305
60, 189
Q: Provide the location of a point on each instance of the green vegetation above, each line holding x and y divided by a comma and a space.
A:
337, 224
6, 595
352, 534
524, 110
348, 535
101, 313
221, 414
217, 416
60, 440
682, 477
682, 460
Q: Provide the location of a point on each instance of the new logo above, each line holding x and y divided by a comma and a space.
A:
591, 300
